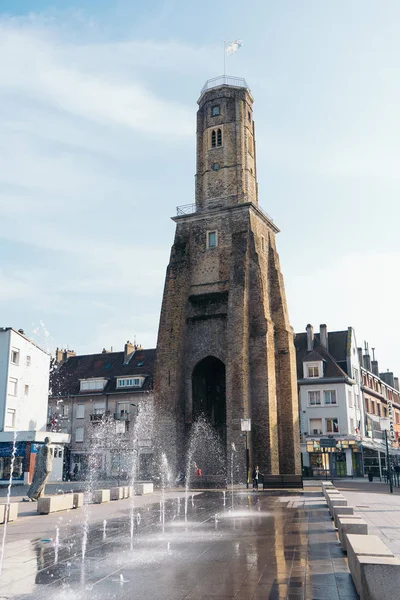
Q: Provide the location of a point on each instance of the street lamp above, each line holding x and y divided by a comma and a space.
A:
385, 426
245, 425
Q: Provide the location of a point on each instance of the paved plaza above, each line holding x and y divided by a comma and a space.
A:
243, 545
379, 508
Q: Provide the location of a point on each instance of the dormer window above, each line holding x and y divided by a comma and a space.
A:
215, 111
92, 385
128, 382
313, 370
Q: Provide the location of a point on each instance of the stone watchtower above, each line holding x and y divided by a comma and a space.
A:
225, 346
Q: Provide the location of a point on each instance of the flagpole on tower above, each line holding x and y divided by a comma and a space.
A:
224, 57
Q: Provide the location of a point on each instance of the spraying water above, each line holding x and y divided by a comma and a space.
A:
165, 477
7, 505
56, 545
233, 452
104, 529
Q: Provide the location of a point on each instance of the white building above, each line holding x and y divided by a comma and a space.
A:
330, 402
24, 385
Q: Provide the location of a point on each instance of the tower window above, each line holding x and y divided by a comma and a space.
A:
250, 144
249, 115
219, 137
215, 111
212, 239
215, 166
263, 243
213, 138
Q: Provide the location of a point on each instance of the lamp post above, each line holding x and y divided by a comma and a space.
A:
385, 426
245, 425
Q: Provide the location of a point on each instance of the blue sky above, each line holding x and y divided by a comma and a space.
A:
97, 123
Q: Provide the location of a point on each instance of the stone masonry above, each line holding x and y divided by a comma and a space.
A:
228, 301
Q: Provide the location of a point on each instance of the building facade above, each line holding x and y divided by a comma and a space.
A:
24, 382
381, 399
330, 401
96, 399
225, 346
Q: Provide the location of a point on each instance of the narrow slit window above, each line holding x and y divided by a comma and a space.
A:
219, 137
213, 138
211, 239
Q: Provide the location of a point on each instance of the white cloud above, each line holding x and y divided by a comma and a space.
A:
42, 69
358, 290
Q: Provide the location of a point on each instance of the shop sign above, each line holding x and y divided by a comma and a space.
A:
391, 425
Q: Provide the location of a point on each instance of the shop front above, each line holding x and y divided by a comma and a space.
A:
345, 461
7, 462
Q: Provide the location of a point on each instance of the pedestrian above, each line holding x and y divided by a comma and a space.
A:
197, 470
256, 475
76, 471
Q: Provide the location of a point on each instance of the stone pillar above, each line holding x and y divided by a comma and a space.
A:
349, 462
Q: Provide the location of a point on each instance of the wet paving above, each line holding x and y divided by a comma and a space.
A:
243, 546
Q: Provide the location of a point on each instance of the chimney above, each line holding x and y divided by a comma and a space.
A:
360, 357
67, 354
388, 378
396, 384
63, 355
310, 337
375, 367
366, 357
128, 352
323, 336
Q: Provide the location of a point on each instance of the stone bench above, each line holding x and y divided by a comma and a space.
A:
282, 481
78, 500
10, 511
347, 525
336, 501
342, 511
49, 504
128, 491
359, 546
379, 577
331, 494
143, 488
117, 493
100, 496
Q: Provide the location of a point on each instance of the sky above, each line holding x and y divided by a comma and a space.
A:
97, 148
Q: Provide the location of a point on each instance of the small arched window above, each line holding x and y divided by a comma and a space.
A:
213, 138
219, 137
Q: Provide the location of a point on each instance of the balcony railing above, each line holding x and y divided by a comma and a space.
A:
185, 209
224, 80
122, 417
97, 418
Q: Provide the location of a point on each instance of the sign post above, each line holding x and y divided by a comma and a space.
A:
328, 445
385, 426
245, 425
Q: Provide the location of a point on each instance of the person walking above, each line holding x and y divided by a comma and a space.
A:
256, 475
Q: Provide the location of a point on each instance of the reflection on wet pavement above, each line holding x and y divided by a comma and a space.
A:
269, 546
